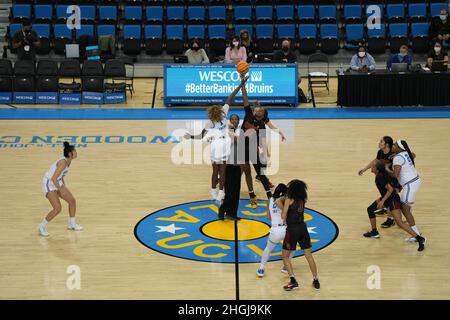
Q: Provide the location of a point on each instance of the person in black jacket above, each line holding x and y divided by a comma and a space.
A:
286, 54
440, 28
25, 41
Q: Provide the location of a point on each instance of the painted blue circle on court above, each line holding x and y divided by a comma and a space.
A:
192, 231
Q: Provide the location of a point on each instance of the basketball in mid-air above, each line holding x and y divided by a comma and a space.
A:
242, 67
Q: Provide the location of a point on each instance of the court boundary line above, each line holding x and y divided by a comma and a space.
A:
200, 113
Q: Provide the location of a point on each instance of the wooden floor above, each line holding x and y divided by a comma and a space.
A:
118, 184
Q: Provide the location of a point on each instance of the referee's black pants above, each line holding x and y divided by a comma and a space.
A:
230, 203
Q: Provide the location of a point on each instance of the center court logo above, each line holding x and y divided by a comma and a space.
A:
192, 231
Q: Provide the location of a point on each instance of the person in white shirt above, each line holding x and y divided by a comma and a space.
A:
404, 170
277, 229
54, 187
217, 132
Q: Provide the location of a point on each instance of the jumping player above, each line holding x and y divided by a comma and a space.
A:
54, 187
277, 229
216, 129
297, 231
390, 199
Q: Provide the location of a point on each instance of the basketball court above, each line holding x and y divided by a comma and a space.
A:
124, 177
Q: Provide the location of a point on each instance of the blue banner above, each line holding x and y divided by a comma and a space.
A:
24, 97
115, 97
47, 97
92, 97
213, 83
5, 97
70, 98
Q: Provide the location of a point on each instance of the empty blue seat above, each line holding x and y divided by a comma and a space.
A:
354, 35
43, 12
242, 14
131, 32
175, 14
398, 35
353, 13
395, 12
14, 28
308, 38
133, 14
329, 38
377, 39
417, 11
217, 38
285, 13
175, 39
239, 27
327, 14
264, 37
435, 8
61, 12
88, 14
263, 13
196, 31
107, 14
153, 32
86, 29
306, 13
264, 31
196, 14
42, 30
61, 31
217, 14
21, 12
420, 37
106, 30
154, 14
286, 31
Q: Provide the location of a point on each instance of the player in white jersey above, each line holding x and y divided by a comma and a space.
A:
54, 187
277, 229
216, 131
404, 170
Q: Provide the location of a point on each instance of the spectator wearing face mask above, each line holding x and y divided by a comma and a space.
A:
25, 41
286, 54
437, 54
235, 52
362, 61
440, 27
402, 57
247, 43
195, 53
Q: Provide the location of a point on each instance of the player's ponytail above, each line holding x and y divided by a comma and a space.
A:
406, 148
68, 149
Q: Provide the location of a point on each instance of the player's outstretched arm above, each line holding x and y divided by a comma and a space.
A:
235, 92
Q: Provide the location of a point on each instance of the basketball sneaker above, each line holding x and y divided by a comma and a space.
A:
284, 269
372, 234
388, 223
422, 241
380, 212
260, 272
253, 202
316, 284
291, 286
43, 230
213, 194
411, 240
220, 196
74, 227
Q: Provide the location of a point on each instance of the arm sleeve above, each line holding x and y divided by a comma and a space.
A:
372, 65
398, 161
227, 55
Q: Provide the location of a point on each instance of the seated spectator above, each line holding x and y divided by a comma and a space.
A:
402, 57
235, 52
437, 54
248, 44
362, 61
440, 28
195, 53
285, 54
26, 41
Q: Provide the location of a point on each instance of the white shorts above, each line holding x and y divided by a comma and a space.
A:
220, 149
409, 192
48, 186
277, 234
